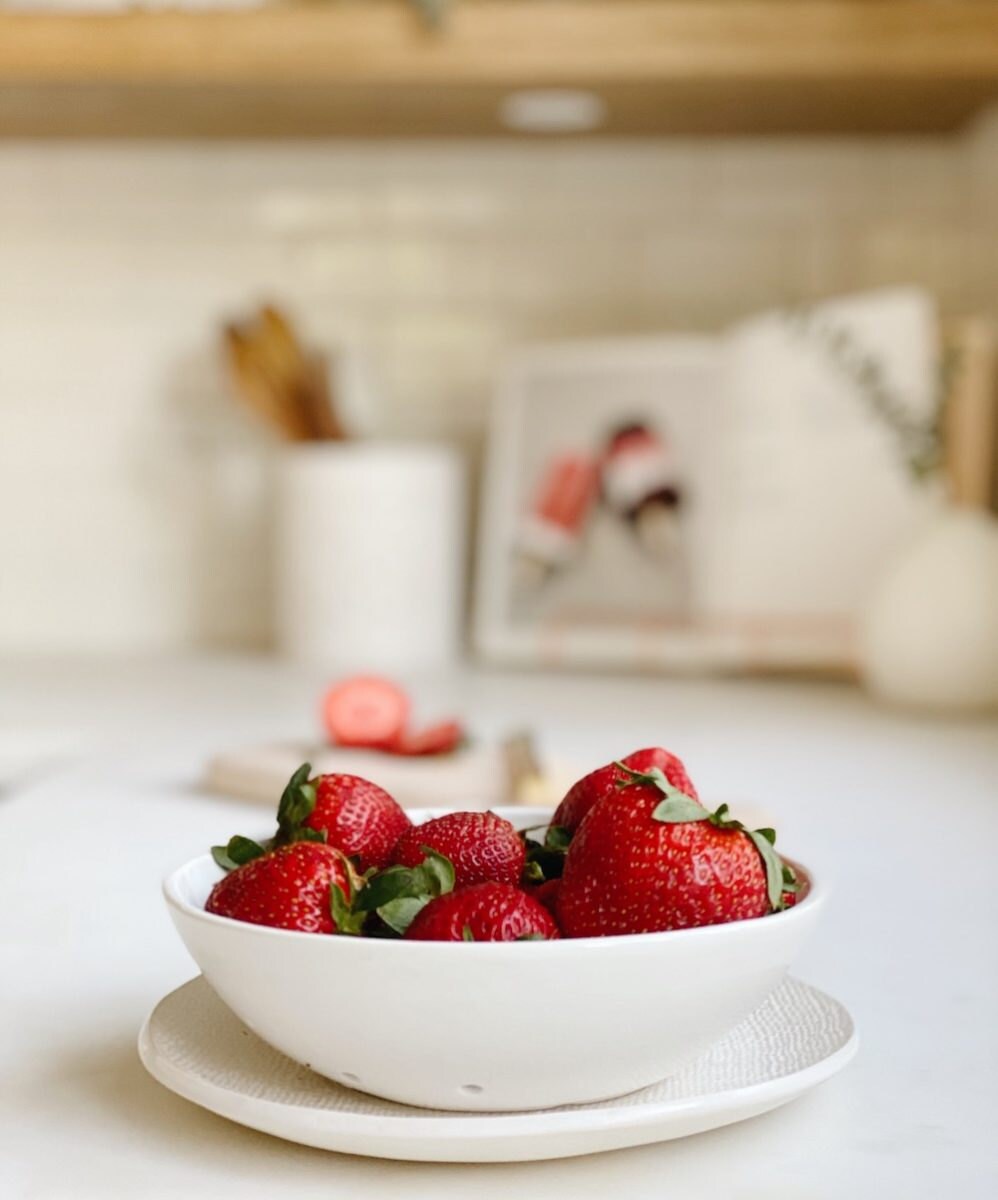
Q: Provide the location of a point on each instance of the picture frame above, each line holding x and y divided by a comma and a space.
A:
634, 369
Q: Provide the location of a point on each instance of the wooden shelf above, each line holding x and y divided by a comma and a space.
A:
370, 67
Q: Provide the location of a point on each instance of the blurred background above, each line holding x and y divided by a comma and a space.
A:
378, 335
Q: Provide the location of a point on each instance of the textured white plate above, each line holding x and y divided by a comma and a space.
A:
195, 1046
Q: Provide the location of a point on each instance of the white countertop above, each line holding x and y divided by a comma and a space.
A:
100, 797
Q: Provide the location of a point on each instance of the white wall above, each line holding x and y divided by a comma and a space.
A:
132, 493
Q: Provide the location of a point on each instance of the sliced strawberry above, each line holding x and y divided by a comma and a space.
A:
365, 711
442, 738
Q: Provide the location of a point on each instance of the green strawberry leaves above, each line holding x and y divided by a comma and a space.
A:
399, 914
467, 935
342, 904
236, 852
773, 864
545, 860
557, 839
296, 806
399, 894
720, 820
440, 869
339, 906
433, 877
533, 872
791, 884
677, 809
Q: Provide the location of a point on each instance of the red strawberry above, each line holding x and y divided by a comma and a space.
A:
547, 894
357, 817
365, 711
486, 912
583, 795
480, 845
442, 738
352, 814
286, 888
652, 858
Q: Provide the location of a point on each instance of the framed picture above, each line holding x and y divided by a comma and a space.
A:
588, 526
696, 503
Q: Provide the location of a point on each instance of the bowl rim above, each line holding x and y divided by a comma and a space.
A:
813, 899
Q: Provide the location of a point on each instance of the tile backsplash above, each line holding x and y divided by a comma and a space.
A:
133, 495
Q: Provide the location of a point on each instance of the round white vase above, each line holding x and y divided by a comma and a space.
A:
930, 635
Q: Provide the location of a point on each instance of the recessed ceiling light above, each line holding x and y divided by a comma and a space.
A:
552, 110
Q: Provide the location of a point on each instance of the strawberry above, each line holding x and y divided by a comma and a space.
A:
547, 894
443, 738
583, 795
365, 711
352, 814
651, 858
293, 887
480, 845
485, 912
357, 817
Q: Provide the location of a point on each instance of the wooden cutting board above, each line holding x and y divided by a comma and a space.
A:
479, 776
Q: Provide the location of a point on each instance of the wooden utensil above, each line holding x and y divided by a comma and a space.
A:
258, 390
279, 380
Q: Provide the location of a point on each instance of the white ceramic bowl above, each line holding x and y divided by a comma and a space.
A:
489, 1026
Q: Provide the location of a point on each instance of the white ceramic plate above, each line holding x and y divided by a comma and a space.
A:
195, 1046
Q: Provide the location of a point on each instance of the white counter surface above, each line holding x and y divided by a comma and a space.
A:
99, 769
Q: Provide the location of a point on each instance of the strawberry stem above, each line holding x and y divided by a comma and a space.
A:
655, 777
296, 805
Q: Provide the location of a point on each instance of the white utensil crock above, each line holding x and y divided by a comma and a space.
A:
370, 555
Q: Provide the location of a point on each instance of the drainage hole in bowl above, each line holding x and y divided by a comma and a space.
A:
471, 1089
350, 1077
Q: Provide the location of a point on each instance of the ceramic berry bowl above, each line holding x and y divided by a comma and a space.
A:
490, 1026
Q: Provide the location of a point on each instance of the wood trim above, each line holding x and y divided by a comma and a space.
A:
512, 42
372, 66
